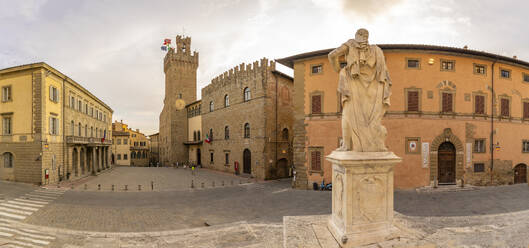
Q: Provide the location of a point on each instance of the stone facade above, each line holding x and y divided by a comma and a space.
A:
48, 116
154, 149
194, 132
132, 146
418, 119
180, 67
247, 112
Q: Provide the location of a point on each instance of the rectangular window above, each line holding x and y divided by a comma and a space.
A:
526, 77
479, 146
54, 126
6, 93
505, 73
119, 156
413, 100
316, 69
479, 69
526, 110
505, 111
447, 102
135, 143
316, 104
315, 158
124, 156
211, 157
72, 102
227, 158
525, 146
447, 65
119, 141
413, 63
479, 104
125, 141
92, 111
54, 94
479, 167
80, 106
7, 126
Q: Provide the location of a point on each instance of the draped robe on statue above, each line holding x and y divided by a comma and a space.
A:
365, 87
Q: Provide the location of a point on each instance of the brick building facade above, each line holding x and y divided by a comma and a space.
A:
247, 116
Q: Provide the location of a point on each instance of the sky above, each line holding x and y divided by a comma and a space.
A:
112, 47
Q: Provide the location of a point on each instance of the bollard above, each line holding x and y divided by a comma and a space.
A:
126, 187
112, 187
152, 185
85, 187
222, 182
99, 187
202, 185
192, 186
213, 184
139, 187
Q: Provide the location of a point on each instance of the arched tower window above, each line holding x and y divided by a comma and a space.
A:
226, 132
194, 135
226, 101
284, 134
247, 94
211, 107
86, 130
247, 130
79, 129
211, 133
72, 130
198, 135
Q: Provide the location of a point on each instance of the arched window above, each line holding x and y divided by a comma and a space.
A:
247, 94
72, 130
79, 129
284, 134
226, 101
247, 130
198, 135
211, 133
194, 135
86, 130
211, 107
97, 130
144, 154
91, 131
8, 160
226, 132
133, 155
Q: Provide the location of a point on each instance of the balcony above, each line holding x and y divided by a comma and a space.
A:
139, 148
87, 140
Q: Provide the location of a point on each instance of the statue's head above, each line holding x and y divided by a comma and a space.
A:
362, 35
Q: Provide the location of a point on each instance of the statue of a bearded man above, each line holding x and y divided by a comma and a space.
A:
365, 87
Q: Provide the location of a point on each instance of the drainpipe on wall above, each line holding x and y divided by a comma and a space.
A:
493, 99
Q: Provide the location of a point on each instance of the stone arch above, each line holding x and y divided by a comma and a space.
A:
447, 136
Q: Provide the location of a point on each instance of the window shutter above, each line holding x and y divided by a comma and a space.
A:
51, 126
447, 102
505, 107
51, 93
526, 110
479, 102
316, 160
413, 101
316, 104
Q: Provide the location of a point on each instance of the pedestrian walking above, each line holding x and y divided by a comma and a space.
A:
193, 169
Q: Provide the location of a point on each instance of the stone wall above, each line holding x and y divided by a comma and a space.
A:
26, 164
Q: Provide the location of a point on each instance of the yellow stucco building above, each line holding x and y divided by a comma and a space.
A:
132, 148
456, 116
53, 129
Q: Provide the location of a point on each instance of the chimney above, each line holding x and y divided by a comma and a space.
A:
137, 130
515, 57
465, 47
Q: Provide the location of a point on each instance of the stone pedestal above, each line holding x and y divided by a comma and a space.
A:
362, 196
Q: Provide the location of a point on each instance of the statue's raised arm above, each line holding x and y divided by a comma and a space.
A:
334, 56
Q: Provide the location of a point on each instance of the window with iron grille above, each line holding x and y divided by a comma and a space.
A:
479, 69
525, 146
479, 145
505, 107
479, 104
211, 157
315, 158
227, 156
505, 73
447, 65
247, 130
413, 100
247, 94
479, 167
316, 69
447, 102
226, 132
316, 104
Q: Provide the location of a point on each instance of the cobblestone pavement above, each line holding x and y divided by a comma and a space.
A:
163, 178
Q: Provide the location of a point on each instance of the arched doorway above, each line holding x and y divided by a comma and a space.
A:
75, 161
520, 173
247, 162
282, 168
82, 158
446, 157
199, 158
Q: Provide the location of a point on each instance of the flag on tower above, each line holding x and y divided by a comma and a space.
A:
166, 44
208, 140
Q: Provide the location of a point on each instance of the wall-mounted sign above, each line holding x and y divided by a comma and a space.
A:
469, 154
425, 154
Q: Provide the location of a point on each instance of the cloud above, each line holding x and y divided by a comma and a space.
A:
368, 8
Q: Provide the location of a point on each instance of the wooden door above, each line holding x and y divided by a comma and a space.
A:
520, 173
199, 158
282, 168
247, 161
446, 160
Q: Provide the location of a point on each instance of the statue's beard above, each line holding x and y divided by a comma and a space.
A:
363, 45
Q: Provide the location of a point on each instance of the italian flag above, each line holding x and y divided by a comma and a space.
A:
208, 140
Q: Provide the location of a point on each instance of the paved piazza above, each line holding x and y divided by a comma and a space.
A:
243, 215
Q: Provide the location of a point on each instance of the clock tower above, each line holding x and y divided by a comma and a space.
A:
180, 68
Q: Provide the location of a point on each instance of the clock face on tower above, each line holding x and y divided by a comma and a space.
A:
180, 104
